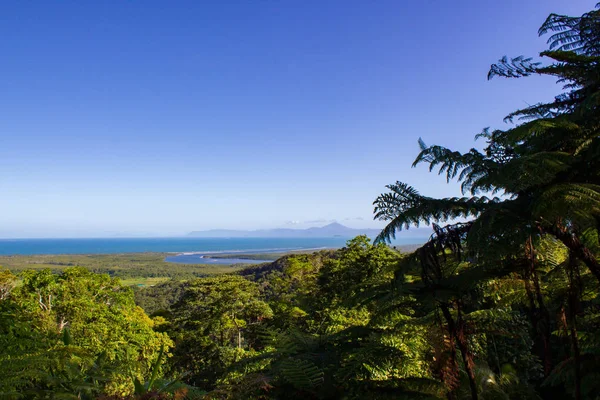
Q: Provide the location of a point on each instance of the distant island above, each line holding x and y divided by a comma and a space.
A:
332, 230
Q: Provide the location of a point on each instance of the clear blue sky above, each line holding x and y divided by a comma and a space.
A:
157, 117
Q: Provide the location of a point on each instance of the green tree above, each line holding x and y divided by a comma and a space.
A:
341, 346
7, 283
546, 168
214, 326
83, 319
546, 171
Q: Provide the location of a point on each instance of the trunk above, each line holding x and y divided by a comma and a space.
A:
573, 243
239, 332
562, 317
573, 306
61, 325
577, 357
544, 314
457, 330
452, 377
535, 318
445, 364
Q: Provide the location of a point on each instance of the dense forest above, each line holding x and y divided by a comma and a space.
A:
132, 268
502, 302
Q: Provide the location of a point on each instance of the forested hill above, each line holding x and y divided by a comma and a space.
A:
257, 272
260, 271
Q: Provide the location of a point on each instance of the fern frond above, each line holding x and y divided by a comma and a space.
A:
514, 68
403, 207
302, 374
576, 202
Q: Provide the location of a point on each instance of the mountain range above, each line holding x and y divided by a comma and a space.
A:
332, 230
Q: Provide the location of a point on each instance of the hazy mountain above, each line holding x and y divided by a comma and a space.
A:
331, 230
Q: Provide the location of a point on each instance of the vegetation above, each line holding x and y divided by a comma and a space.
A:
159, 298
135, 267
76, 335
504, 304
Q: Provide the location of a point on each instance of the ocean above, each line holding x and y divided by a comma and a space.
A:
172, 245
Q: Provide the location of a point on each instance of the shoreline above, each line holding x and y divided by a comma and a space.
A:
239, 256
219, 254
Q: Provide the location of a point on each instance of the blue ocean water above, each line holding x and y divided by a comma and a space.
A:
176, 245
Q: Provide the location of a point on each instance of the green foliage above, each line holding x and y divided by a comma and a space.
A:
79, 332
214, 326
7, 283
159, 298
516, 284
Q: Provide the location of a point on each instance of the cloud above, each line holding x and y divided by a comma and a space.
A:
315, 221
320, 221
354, 219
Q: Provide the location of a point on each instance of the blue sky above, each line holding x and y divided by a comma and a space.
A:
158, 118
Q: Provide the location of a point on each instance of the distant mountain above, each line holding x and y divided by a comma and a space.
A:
331, 230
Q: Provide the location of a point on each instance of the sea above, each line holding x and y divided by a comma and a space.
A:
167, 245
184, 249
